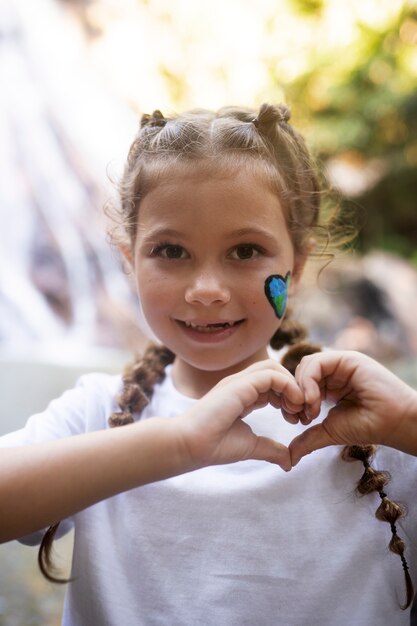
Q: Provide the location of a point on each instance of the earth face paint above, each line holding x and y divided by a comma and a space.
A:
276, 290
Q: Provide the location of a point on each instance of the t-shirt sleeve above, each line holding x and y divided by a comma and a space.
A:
85, 408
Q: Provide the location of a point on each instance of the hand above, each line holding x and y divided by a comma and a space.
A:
213, 431
372, 405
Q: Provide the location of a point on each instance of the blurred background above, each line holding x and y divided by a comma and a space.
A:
75, 76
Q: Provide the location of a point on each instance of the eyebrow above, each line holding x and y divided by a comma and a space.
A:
235, 234
162, 232
251, 231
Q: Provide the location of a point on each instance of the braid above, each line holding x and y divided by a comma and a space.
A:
388, 511
289, 332
292, 333
293, 355
139, 380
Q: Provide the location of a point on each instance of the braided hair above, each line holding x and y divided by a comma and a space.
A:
388, 511
231, 138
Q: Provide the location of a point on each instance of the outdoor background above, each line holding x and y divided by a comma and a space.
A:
75, 76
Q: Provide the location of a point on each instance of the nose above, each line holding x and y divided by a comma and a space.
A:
207, 287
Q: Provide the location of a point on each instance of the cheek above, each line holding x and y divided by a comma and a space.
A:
155, 293
260, 309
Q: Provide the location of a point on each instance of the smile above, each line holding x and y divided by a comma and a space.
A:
210, 327
215, 330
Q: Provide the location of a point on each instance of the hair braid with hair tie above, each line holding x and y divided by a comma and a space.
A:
156, 119
271, 114
388, 511
292, 333
139, 380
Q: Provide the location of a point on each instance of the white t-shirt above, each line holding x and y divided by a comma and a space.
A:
232, 545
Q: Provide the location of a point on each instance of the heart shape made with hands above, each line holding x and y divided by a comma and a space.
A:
276, 290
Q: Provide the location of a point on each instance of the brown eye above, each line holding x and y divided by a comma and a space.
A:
245, 252
169, 251
173, 252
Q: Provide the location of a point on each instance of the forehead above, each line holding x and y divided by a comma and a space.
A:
210, 211
172, 171
215, 197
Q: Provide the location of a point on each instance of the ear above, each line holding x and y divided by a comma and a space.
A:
126, 252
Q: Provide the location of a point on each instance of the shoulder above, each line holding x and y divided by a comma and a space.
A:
91, 392
84, 408
99, 383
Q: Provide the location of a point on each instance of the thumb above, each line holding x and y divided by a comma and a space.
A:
267, 449
313, 438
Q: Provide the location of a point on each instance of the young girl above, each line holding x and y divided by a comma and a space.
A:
170, 475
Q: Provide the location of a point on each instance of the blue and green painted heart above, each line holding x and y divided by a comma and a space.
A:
276, 290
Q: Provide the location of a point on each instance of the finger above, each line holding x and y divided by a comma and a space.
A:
266, 364
267, 449
304, 418
275, 400
312, 392
291, 418
333, 371
291, 407
294, 418
313, 438
271, 366
243, 392
292, 395
271, 397
260, 382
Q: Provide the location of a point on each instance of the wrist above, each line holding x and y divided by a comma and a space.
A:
405, 436
167, 454
189, 447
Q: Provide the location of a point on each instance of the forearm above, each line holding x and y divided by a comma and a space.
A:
44, 483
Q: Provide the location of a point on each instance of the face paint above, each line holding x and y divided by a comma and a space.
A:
276, 290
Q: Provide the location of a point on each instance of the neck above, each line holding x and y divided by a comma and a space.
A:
195, 383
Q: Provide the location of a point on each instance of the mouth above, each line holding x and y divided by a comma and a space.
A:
216, 329
210, 327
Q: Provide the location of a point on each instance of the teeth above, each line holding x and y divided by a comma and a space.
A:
207, 328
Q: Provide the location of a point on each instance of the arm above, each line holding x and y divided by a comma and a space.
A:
372, 405
43, 483
46, 482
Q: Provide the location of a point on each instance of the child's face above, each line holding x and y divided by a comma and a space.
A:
203, 250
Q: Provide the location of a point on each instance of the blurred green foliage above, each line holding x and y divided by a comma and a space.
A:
360, 110
348, 70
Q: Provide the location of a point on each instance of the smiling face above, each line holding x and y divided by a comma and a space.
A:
204, 247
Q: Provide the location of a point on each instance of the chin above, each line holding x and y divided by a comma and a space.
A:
209, 363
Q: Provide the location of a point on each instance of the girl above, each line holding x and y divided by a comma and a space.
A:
220, 212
